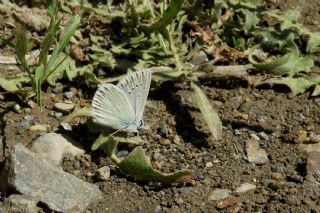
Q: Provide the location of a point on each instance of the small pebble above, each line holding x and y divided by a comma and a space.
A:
38, 127
66, 126
254, 136
103, 173
230, 201
165, 142
177, 140
209, 164
245, 187
122, 153
254, 153
68, 94
219, 194
63, 107
263, 136
277, 176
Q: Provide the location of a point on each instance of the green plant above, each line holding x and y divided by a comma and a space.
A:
48, 68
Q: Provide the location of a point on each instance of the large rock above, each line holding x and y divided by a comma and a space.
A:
313, 166
53, 146
29, 174
21, 204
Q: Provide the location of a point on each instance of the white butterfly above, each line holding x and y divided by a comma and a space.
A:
121, 106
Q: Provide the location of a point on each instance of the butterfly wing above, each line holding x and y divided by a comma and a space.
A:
111, 107
137, 86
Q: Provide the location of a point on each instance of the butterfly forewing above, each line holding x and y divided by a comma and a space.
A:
111, 107
137, 86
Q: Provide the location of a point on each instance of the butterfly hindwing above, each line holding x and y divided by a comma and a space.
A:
112, 107
137, 86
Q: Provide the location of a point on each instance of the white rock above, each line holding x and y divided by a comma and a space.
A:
53, 146
63, 107
219, 194
209, 164
38, 127
254, 153
245, 187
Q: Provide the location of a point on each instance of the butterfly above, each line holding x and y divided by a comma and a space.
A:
121, 106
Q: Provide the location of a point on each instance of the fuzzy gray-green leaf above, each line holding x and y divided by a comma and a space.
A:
210, 115
137, 165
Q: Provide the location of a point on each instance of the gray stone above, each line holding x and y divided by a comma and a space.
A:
245, 187
219, 194
254, 153
103, 173
23, 125
21, 204
29, 174
53, 146
263, 136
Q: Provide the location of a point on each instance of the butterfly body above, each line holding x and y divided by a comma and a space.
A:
121, 106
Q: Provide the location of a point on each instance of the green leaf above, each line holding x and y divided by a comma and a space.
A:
52, 7
68, 31
64, 38
83, 112
288, 18
289, 64
100, 140
210, 115
63, 66
110, 147
38, 78
171, 76
168, 16
296, 85
22, 47
13, 84
313, 42
138, 166
273, 38
48, 40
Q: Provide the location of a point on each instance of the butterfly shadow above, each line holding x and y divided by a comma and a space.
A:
185, 123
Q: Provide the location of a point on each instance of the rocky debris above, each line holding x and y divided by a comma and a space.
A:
245, 187
53, 146
219, 194
254, 153
25, 123
63, 107
103, 173
313, 166
29, 174
21, 204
